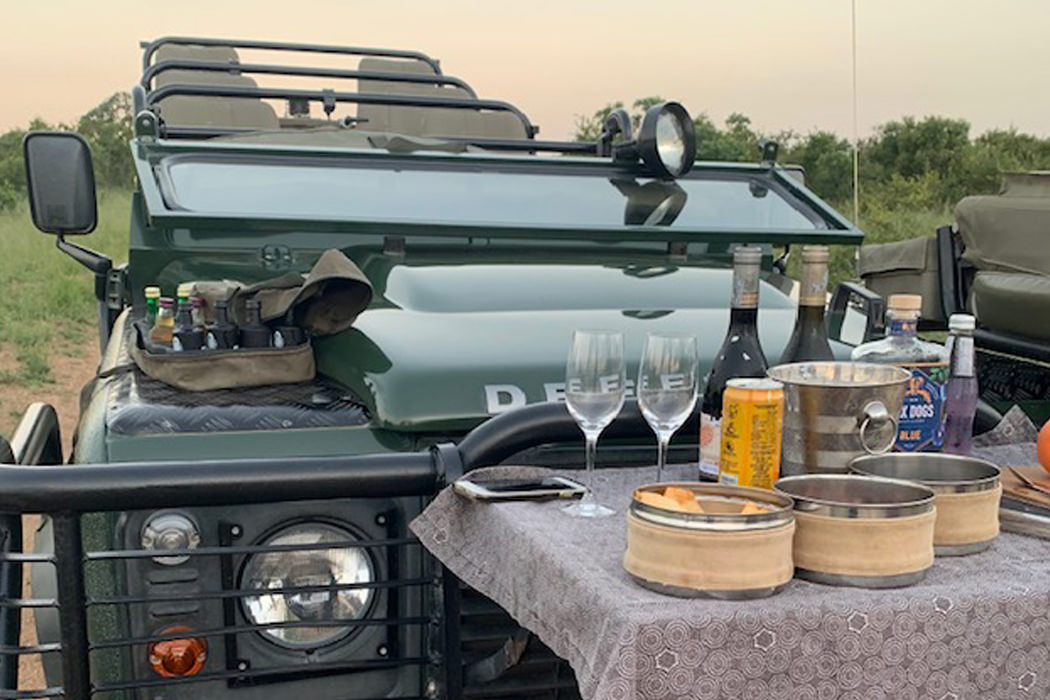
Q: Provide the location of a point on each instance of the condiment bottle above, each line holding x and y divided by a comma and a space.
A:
254, 334
921, 424
164, 327
961, 403
187, 336
152, 304
197, 306
183, 293
221, 335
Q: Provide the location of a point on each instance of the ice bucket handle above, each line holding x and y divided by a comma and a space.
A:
876, 414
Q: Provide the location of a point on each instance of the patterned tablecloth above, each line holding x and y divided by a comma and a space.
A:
976, 627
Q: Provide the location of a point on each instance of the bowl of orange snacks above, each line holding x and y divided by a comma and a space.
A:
695, 539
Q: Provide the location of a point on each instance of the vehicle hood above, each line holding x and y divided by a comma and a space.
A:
445, 346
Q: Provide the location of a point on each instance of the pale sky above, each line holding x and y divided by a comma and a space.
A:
785, 63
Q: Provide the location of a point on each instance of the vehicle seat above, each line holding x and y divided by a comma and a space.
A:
185, 110
428, 121
1013, 302
1008, 232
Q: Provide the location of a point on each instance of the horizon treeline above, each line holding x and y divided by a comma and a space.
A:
926, 163
908, 164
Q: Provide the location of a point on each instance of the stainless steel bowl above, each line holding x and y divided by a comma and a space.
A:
851, 496
721, 504
941, 473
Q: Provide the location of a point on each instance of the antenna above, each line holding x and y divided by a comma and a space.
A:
856, 139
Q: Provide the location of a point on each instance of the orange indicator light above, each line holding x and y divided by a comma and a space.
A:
178, 657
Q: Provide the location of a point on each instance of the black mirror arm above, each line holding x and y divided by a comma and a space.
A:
96, 262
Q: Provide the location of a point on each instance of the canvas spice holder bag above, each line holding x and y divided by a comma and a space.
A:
327, 300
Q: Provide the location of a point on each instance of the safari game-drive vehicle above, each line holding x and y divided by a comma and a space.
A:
253, 542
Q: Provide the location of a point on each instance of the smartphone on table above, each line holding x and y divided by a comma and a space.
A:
547, 488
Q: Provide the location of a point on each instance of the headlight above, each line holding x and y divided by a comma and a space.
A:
311, 569
667, 139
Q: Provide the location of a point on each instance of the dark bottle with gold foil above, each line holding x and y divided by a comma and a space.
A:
809, 340
222, 335
254, 334
740, 356
187, 335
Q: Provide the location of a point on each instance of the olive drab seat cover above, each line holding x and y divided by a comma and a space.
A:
1007, 238
1008, 232
428, 121
904, 267
189, 110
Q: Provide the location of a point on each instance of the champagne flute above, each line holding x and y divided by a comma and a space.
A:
667, 387
594, 393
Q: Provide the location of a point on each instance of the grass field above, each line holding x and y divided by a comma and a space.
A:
47, 301
48, 332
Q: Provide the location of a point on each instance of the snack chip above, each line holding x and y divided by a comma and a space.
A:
673, 498
657, 501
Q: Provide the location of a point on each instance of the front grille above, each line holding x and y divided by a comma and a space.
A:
115, 654
125, 601
425, 636
486, 630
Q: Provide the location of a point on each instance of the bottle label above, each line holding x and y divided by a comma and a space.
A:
921, 423
745, 286
903, 326
962, 358
813, 287
710, 444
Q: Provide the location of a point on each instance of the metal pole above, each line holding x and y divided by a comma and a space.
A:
11, 582
72, 613
856, 138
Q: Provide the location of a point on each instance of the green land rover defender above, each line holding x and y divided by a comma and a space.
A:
253, 542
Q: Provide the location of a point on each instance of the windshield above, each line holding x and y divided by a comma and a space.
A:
552, 196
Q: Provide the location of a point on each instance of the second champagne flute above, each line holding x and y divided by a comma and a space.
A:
594, 394
667, 386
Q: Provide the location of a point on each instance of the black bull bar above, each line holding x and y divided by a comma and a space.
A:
65, 493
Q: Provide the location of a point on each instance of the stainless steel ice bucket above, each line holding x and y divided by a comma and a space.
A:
836, 411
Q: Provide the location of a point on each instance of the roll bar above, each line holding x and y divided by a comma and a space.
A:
330, 97
542, 424
150, 48
303, 71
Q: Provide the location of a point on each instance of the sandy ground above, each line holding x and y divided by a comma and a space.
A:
71, 368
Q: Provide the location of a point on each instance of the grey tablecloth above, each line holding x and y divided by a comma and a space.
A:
976, 627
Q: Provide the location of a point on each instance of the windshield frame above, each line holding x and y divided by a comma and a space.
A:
154, 157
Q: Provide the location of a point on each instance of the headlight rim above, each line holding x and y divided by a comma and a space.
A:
648, 144
345, 634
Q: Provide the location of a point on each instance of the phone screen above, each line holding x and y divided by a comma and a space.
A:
518, 486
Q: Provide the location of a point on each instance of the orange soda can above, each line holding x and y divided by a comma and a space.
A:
752, 425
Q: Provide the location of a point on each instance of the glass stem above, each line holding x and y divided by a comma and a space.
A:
592, 452
661, 457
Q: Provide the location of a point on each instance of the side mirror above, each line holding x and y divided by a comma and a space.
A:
856, 314
60, 181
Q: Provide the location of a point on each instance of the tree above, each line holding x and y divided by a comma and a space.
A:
108, 128
828, 161
912, 148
